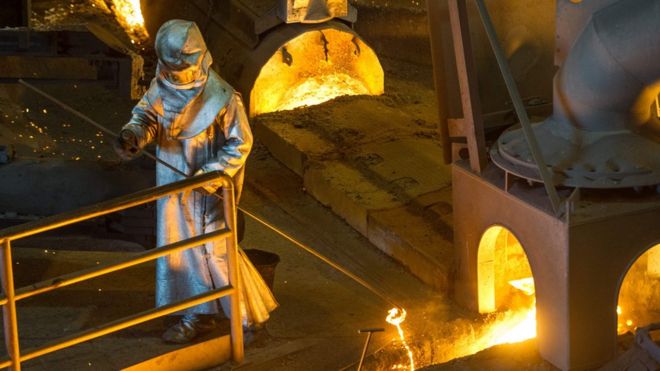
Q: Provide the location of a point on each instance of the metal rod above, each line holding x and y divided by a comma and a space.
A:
369, 332
70, 279
10, 319
324, 259
110, 206
519, 107
126, 322
233, 273
266, 224
364, 351
96, 124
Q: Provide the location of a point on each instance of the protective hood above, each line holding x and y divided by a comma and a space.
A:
186, 93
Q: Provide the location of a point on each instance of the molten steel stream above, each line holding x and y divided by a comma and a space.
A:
395, 317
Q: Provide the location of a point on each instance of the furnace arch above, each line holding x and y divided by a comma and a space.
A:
311, 64
638, 297
503, 271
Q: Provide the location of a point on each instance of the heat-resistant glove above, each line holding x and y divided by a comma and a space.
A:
209, 188
126, 145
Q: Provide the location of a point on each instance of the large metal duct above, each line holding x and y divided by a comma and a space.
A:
604, 131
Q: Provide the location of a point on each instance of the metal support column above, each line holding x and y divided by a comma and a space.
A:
472, 124
435, 11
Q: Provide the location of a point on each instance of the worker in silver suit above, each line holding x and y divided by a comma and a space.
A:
199, 125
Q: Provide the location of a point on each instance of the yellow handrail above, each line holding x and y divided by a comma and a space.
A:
126, 322
111, 206
84, 275
8, 302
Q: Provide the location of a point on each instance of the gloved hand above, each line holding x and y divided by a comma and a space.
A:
126, 145
209, 188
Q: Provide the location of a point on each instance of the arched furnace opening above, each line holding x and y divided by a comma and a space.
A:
505, 282
639, 295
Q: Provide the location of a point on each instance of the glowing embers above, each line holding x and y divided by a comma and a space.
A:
505, 283
639, 295
396, 316
314, 67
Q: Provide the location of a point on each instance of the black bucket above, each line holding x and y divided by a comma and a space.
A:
265, 262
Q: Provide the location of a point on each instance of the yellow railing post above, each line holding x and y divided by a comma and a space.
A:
233, 259
9, 309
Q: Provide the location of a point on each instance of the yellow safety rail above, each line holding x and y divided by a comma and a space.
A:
12, 295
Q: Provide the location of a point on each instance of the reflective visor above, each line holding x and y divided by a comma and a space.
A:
182, 77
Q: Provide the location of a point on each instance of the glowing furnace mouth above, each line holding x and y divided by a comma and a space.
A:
323, 62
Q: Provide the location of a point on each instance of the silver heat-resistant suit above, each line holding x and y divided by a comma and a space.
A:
198, 126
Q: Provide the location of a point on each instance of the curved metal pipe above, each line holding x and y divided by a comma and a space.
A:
611, 63
603, 132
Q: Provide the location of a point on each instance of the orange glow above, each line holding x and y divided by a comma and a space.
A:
315, 67
624, 324
639, 295
502, 261
396, 317
129, 16
522, 326
526, 285
318, 89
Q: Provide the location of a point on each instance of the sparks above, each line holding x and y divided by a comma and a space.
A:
626, 325
396, 317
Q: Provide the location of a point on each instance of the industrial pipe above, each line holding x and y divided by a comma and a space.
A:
611, 63
604, 132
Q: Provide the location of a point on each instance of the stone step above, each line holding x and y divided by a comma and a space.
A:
199, 356
394, 192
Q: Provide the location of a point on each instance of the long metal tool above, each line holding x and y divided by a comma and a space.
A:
519, 106
369, 332
278, 231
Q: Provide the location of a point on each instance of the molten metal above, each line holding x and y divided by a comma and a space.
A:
523, 326
318, 89
129, 16
396, 317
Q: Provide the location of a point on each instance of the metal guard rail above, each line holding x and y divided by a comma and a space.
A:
8, 302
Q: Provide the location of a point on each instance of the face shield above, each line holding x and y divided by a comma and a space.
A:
183, 59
